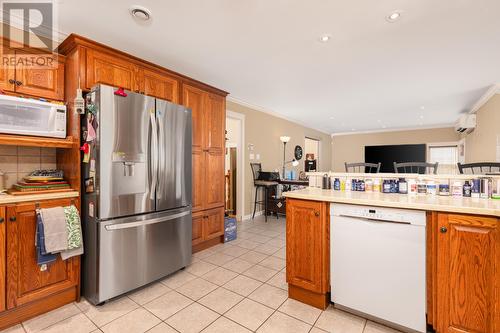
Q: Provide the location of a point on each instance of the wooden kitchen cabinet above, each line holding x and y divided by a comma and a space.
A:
34, 81
468, 273
111, 70
160, 85
215, 123
214, 172
214, 223
194, 99
308, 251
3, 260
197, 234
47, 83
208, 142
26, 283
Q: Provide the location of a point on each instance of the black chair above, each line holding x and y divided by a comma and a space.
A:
416, 167
480, 168
264, 184
363, 167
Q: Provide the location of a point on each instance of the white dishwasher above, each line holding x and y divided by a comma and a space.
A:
377, 260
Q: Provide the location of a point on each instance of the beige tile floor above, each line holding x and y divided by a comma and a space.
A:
234, 287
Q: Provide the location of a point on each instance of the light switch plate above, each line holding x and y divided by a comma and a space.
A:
257, 157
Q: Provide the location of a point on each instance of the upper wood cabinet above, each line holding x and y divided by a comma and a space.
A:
25, 281
468, 273
215, 123
160, 85
3, 259
34, 81
307, 250
111, 70
47, 83
194, 99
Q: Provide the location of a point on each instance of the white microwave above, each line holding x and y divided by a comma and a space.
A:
32, 117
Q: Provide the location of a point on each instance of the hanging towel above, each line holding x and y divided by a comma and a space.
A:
55, 229
74, 228
42, 257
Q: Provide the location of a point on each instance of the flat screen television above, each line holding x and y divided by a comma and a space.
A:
389, 154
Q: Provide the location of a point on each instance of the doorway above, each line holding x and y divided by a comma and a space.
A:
234, 167
311, 149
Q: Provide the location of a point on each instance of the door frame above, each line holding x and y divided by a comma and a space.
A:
240, 164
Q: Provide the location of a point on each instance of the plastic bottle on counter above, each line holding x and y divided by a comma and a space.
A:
431, 187
336, 184
412, 186
376, 185
457, 189
467, 189
402, 186
369, 185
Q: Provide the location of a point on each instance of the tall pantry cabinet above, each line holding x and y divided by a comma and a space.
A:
208, 112
90, 63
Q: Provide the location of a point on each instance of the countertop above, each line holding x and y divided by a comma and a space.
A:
449, 204
10, 199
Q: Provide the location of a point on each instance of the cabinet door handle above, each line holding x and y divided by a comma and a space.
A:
443, 230
18, 83
316, 213
2, 219
12, 219
12, 81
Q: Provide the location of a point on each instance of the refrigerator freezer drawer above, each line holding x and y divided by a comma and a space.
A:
136, 251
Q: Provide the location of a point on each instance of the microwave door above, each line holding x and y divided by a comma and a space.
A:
126, 161
174, 156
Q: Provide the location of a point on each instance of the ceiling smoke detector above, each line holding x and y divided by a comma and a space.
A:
140, 13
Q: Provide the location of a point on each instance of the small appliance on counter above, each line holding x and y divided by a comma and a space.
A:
26, 116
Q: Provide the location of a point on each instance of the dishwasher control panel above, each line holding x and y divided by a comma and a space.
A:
408, 216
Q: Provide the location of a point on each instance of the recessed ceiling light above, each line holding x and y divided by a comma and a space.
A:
141, 13
332, 118
421, 116
324, 38
422, 107
394, 16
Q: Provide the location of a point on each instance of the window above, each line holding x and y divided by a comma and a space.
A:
446, 156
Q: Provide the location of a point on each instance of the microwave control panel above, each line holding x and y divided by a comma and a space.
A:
60, 125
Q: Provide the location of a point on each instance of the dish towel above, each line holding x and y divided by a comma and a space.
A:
74, 229
55, 229
42, 257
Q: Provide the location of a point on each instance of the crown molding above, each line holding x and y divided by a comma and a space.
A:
492, 91
396, 129
272, 113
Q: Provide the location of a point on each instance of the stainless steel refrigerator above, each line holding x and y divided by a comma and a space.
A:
137, 214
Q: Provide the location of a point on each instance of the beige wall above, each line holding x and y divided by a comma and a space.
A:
481, 145
263, 131
351, 148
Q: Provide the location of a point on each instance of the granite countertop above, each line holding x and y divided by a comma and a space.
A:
449, 204
10, 199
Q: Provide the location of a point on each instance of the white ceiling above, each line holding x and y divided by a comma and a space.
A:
423, 70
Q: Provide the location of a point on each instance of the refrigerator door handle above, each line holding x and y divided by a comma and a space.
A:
161, 153
154, 155
120, 226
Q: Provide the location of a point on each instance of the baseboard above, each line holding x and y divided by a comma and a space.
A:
249, 216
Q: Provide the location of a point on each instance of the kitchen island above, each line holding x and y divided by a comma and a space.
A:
462, 253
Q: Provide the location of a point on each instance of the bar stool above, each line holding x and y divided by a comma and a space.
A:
264, 184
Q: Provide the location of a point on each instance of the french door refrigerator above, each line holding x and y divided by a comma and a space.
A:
137, 216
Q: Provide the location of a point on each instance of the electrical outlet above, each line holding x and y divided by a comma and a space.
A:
252, 156
257, 157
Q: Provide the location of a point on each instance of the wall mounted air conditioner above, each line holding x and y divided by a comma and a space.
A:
466, 123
